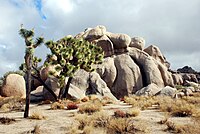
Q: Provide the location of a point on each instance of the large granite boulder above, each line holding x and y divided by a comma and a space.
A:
168, 91
166, 75
13, 85
52, 83
81, 79
105, 43
189, 77
155, 52
149, 69
120, 41
177, 78
94, 33
137, 42
107, 71
129, 78
150, 90
99, 87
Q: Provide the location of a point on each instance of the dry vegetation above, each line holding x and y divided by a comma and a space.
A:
90, 107
124, 125
5, 120
183, 129
57, 105
107, 124
142, 102
37, 115
11, 104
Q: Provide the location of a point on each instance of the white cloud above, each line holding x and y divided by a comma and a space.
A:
171, 25
57, 6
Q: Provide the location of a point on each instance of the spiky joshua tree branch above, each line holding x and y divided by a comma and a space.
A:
68, 55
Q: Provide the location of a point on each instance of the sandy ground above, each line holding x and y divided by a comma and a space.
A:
58, 121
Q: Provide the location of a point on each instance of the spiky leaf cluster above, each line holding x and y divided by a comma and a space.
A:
30, 44
35, 62
70, 54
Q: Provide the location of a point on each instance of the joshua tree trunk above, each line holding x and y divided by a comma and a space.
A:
38, 77
28, 61
47, 87
67, 88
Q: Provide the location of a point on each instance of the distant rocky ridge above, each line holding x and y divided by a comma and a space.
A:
128, 68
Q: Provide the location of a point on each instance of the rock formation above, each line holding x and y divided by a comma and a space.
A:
128, 68
14, 85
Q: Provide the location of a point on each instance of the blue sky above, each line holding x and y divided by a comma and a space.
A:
38, 5
171, 25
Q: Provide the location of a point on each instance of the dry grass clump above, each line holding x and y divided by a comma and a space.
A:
165, 119
104, 122
133, 112
183, 129
37, 115
180, 108
195, 100
12, 104
172, 127
57, 105
123, 126
106, 100
90, 107
142, 102
100, 119
84, 120
6, 120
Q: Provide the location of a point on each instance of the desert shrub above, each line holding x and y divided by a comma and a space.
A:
133, 112
88, 129
106, 100
122, 126
119, 114
84, 120
90, 107
165, 119
192, 100
85, 99
57, 105
72, 105
6, 120
142, 102
172, 127
37, 115
11, 104
100, 119
96, 120
178, 108
193, 128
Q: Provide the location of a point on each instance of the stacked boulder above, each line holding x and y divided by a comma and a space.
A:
129, 68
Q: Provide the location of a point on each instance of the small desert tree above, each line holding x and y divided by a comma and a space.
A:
29, 58
70, 54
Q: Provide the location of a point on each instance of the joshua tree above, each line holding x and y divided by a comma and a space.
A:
68, 55
30, 46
